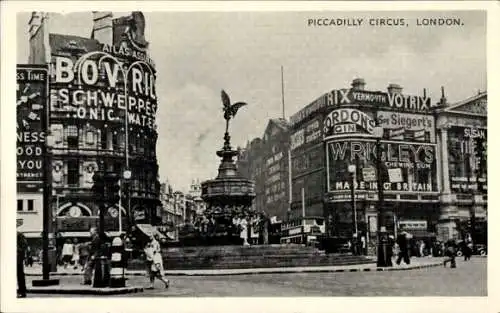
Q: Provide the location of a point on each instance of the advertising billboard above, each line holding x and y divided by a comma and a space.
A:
392, 101
308, 110
347, 121
417, 163
31, 106
92, 87
464, 158
407, 126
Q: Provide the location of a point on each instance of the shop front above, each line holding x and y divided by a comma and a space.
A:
404, 158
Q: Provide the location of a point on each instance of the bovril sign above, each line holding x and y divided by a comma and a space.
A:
344, 121
92, 89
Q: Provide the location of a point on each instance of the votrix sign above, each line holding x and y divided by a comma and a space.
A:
31, 106
395, 101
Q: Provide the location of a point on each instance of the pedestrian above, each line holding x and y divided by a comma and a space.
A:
450, 253
149, 250
157, 269
75, 259
29, 257
402, 242
22, 245
94, 247
354, 244
265, 229
244, 231
421, 248
67, 253
468, 247
363, 244
83, 252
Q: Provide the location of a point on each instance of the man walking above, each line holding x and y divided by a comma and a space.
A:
93, 251
22, 244
451, 250
403, 248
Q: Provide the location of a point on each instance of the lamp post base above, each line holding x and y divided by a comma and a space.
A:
101, 272
45, 282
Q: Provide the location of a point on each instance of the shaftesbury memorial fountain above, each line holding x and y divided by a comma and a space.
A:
229, 195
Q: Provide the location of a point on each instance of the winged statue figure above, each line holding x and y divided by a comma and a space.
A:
229, 109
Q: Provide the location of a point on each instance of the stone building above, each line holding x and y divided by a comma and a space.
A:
102, 114
461, 128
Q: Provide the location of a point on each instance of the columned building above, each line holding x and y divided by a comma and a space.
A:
462, 128
103, 106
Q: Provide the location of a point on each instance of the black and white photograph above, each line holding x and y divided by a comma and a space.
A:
247, 153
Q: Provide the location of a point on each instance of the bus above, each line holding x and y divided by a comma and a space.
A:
302, 230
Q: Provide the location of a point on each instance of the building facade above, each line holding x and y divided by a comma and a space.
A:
423, 171
462, 138
266, 161
102, 106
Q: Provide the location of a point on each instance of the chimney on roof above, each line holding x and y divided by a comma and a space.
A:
358, 84
394, 88
102, 30
38, 38
442, 101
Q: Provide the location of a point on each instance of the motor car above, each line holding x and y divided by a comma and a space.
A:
478, 249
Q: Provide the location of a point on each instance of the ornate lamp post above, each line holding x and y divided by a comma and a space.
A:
352, 170
383, 240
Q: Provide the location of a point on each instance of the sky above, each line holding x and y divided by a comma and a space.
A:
199, 53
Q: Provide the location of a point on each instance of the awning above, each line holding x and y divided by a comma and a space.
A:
74, 234
114, 233
32, 234
149, 230
420, 233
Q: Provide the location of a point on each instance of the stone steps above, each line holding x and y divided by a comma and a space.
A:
234, 257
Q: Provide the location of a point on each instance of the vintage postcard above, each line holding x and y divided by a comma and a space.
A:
250, 155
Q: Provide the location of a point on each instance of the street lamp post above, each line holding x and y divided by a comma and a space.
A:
127, 174
352, 170
383, 240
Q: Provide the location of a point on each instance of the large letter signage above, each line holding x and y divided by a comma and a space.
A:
98, 91
342, 121
417, 163
31, 108
393, 101
407, 126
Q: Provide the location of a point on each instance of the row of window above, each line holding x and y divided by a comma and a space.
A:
30, 205
79, 136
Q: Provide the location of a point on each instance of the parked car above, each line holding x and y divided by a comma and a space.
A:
478, 249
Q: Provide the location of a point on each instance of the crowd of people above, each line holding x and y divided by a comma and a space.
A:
251, 229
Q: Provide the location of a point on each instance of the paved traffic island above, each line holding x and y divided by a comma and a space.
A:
84, 290
416, 263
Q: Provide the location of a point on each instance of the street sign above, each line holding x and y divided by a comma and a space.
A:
369, 174
395, 175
